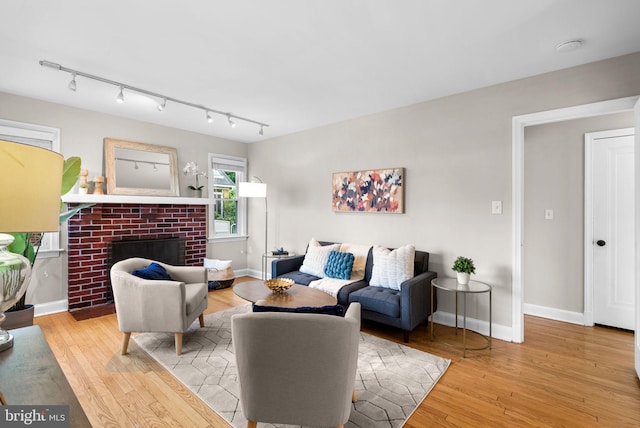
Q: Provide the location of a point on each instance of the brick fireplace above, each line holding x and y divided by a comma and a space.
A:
93, 229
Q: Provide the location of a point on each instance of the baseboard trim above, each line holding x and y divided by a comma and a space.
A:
554, 314
498, 331
51, 307
248, 272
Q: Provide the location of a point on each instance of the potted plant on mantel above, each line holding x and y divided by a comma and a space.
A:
21, 314
464, 268
192, 168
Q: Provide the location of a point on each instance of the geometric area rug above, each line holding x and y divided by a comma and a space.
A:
392, 379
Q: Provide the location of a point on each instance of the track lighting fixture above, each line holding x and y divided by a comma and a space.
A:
120, 97
72, 84
231, 118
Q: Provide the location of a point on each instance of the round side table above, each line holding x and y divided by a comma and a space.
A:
451, 285
265, 261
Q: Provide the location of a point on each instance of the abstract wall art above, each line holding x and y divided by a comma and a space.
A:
375, 190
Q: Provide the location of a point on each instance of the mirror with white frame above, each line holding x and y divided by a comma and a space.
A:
140, 169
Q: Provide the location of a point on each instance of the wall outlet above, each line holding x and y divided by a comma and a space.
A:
548, 214
496, 207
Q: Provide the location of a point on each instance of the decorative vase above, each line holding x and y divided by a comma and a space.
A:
97, 185
197, 193
15, 272
463, 278
84, 182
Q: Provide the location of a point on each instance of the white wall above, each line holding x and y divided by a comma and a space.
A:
81, 134
554, 178
457, 155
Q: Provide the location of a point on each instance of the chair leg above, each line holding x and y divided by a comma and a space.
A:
252, 424
178, 343
125, 343
354, 397
201, 318
406, 336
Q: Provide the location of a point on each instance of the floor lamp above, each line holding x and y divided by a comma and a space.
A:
257, 189
30, 183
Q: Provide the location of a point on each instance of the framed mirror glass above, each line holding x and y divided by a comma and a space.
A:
140, 169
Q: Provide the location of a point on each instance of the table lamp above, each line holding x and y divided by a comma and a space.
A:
30, 183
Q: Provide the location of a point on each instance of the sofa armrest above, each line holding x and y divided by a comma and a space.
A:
416, 299
286, 265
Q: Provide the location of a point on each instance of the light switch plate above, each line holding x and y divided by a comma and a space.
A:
548, 214
496, 207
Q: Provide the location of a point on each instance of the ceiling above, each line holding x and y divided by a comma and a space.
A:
294, 64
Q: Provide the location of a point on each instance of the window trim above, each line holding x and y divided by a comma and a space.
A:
241, 231
29, 131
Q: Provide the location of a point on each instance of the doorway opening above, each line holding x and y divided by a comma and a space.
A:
519, 123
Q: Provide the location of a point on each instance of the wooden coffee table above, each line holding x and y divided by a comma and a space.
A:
295, 297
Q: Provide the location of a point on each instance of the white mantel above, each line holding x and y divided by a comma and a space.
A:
133, 199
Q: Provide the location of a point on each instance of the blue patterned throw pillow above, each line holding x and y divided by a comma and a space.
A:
153, 271
339, 265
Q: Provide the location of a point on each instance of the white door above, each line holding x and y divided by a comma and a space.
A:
612, 240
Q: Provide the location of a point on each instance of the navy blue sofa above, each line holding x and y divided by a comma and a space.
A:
404, 309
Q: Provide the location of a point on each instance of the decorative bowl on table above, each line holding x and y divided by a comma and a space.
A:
279, 285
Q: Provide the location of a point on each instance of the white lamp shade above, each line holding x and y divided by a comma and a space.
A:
30, 183
252, 190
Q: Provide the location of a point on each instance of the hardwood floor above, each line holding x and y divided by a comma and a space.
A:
562, 376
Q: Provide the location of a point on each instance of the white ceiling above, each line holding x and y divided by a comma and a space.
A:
295, 64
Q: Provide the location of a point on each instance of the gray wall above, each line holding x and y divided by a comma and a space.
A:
456, 152
554, 178
81, 134
457, 155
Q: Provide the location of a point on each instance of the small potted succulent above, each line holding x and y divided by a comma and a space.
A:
464, 268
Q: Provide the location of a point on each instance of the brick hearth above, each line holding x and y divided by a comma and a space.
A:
91, 231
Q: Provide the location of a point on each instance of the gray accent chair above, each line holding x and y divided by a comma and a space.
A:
296, 368
144, 305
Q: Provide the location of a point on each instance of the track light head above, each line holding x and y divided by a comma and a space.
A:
261, 132
120, 97
231, 122
209, 117
162, 105
72, 84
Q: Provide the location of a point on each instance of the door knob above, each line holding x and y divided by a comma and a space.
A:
601, 243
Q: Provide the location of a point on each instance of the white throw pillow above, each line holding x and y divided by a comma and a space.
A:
392, 268
217, 264
316, 258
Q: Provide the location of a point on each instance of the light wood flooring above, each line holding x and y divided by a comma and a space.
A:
562, 376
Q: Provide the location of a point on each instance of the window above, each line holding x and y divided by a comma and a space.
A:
40, 136
227, 216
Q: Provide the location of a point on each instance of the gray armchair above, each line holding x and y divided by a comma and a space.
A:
296, 368
144, 305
